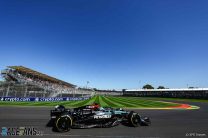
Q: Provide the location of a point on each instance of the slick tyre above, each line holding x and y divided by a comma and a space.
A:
134, 119
63, 123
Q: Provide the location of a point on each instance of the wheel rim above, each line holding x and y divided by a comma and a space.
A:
63, 124
135, 119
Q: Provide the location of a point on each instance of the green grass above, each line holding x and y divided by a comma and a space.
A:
105, 101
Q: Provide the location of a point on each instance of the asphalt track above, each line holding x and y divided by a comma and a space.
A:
165, 123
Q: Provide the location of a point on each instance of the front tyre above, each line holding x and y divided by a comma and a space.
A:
145, 121
64, 123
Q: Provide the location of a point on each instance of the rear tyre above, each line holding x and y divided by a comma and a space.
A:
134, 119
64, 123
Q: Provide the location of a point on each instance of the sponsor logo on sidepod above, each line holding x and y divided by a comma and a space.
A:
102, 116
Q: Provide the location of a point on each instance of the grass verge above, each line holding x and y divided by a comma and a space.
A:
105, 101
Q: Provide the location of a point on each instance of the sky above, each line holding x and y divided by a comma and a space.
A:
113, 44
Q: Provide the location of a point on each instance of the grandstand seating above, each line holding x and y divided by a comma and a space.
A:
23, 75
200, 93
25, 82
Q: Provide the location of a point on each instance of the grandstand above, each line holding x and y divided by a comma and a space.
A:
199, 93
25, 82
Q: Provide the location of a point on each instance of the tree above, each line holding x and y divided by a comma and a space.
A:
161, 87
148, 86
190, 87
123, 90
95, 89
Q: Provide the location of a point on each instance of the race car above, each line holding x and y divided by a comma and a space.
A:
93, 116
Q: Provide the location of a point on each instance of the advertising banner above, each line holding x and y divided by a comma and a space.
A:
41, 99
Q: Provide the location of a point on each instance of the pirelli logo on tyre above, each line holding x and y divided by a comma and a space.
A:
102, 116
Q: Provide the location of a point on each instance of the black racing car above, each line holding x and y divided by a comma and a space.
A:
93, 116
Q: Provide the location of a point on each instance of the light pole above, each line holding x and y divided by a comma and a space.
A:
87, 84
86, 88
139, 84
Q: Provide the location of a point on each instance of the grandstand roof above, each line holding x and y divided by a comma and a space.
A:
40, 75
179, 89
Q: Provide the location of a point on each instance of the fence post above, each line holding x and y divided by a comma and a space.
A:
8, 89
25, 94
44, 93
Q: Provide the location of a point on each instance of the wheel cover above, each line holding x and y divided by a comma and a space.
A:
64, 123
